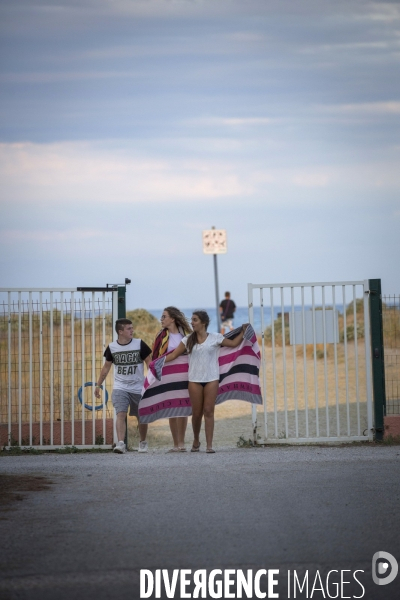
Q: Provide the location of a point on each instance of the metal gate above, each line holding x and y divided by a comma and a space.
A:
391, 337
51, 351
316, 361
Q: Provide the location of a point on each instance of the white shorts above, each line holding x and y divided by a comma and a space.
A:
228, 323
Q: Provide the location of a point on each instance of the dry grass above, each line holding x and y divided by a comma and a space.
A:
69, 338
320, 386
329, 392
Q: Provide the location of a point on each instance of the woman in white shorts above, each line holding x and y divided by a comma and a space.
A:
175, 327
203, 350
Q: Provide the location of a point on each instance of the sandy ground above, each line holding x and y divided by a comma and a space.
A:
232, 420
233, 424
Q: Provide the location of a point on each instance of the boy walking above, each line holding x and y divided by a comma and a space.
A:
127, 354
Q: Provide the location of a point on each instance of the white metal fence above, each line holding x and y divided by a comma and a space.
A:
391, 340
51, 351
316, 362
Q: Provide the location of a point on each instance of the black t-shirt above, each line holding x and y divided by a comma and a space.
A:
228, 309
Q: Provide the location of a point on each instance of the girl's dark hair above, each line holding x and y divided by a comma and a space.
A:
180, 320
192, 339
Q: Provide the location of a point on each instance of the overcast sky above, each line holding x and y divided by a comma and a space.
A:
127, 127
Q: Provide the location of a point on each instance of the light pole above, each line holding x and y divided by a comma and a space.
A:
214, 242
217, 292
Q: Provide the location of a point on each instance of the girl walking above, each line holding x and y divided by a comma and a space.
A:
203, 350
175, 327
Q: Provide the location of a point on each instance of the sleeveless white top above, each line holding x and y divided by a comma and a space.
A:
174, 339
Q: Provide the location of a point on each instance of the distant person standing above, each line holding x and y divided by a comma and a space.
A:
227, 310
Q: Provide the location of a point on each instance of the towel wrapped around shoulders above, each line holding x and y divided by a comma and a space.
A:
165, 390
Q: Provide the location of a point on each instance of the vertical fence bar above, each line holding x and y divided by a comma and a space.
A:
368, 367
264, 363
51, 370
103, 345
346, 359
296, 416
41, 368
271, 292
335, 343
251, 321
303, 327
315, 362
356, 360
390, 309
9, 359
284, 364
83, 365
30, 369
19, 371
72, 330
62, 366
115, 336
93, 370
325, 361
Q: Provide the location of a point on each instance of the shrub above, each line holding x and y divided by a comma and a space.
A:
145, 324
277, 333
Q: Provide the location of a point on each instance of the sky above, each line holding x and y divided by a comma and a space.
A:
127, 127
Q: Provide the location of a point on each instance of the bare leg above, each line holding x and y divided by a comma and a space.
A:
121, 426
173, 425
182, 424
197, 401
143, 431
210, 395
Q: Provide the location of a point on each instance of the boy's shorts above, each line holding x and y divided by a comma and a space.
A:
123, 400
227, 324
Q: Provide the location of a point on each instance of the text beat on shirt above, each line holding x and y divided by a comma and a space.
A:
128, 364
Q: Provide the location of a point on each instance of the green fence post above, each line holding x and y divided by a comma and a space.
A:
121, 302
378, 359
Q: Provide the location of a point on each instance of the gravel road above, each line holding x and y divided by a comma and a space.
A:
106, 516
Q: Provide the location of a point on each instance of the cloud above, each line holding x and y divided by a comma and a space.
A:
66, 76
371, 108
388, 11
81, 171
231, 121
95, 175
16, 236
311, 179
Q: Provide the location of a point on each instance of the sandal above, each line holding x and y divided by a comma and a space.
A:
210, 451
182, 449
195, 448
173, 450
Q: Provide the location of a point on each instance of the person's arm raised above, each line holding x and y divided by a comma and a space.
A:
177, 352
237, 340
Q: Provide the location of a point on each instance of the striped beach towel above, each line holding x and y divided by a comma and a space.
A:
165, 391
